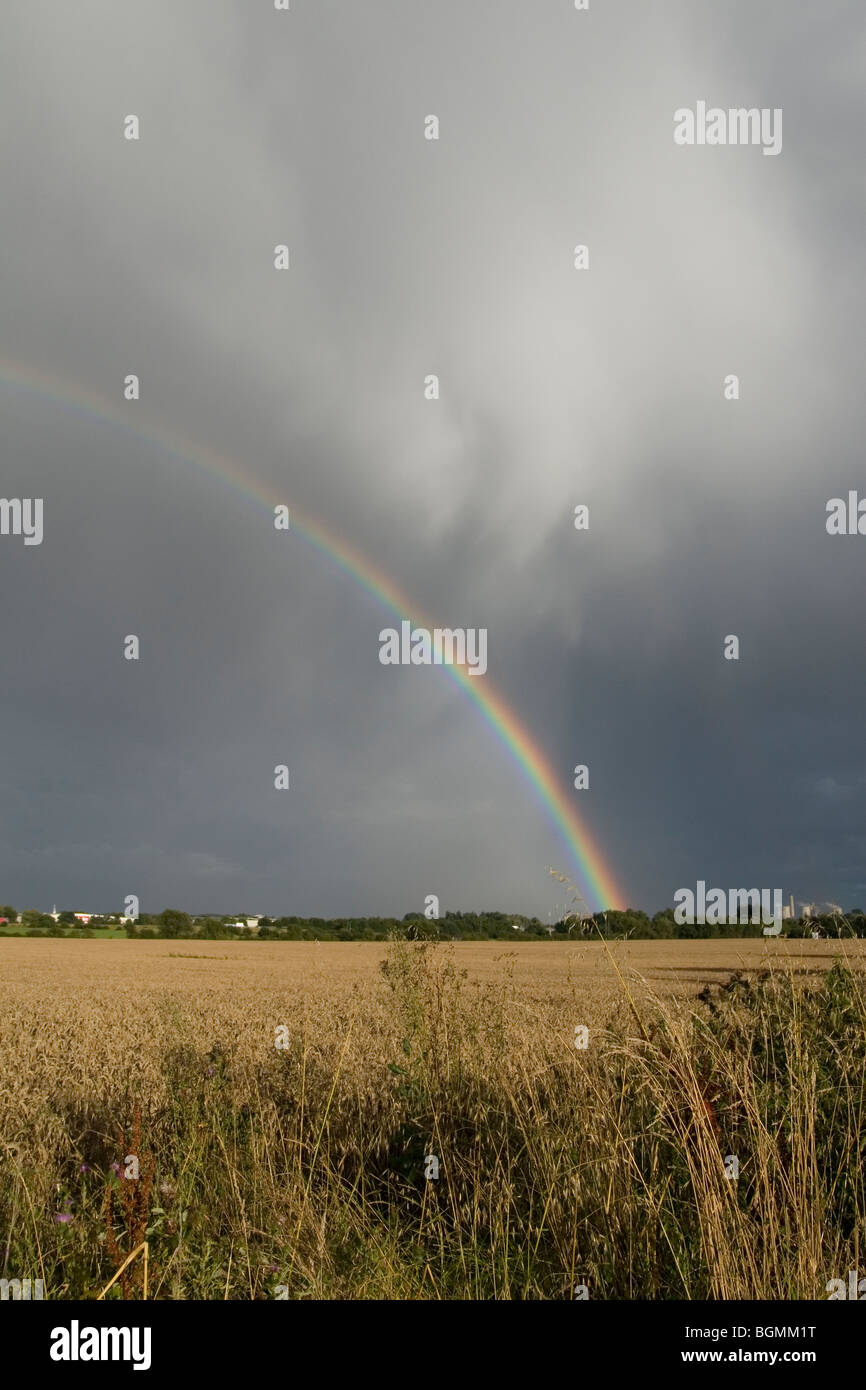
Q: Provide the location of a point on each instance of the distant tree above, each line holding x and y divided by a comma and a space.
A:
664, 920
173, 923
212, 929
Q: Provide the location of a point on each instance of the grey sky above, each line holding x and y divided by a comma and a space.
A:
558, 387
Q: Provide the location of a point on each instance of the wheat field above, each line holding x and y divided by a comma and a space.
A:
283, 1103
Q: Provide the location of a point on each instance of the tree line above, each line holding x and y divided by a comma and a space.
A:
631, 924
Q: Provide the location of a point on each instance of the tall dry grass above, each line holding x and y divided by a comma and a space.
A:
302, 1171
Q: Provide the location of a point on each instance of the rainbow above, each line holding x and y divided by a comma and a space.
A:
596, 882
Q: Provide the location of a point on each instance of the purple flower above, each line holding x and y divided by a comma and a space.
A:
115, 1168
63, 1217
210, 1071
84, 1168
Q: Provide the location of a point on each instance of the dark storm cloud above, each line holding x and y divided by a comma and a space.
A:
558, 387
